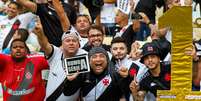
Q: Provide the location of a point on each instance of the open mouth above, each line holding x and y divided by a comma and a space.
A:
98, 68
18, 53
98, 64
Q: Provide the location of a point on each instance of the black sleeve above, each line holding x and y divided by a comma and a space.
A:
143, 84
164, 46
129, 36
87, 47
48, 57
40, 8
122, 83
71, 87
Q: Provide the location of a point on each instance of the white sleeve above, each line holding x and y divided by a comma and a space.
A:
169, 36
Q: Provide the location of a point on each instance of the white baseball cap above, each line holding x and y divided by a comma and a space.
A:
70, 34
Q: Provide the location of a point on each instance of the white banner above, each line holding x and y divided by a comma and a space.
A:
124, 6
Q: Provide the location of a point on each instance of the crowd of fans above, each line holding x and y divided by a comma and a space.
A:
37, 36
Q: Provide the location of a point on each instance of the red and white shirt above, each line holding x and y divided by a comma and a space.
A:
23, 80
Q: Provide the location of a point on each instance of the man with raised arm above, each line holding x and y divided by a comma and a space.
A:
57, 75
49, 13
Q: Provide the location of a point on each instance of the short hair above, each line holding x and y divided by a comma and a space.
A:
28, 51
118, 40
84, 15
23, 33
16, 3
97, 27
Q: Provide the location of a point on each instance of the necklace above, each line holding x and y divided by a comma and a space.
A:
18, 78
18, 72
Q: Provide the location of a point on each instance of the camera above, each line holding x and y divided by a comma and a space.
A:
136, 16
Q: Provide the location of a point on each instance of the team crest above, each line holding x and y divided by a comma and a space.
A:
105, 81
28, 75
150, 48
132, 72
167, 77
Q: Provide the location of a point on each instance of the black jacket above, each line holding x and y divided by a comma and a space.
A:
162, 82
149, 7
88, 81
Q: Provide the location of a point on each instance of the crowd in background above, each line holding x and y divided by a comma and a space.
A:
36, 37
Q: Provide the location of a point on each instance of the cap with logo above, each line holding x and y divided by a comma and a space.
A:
149, 49
70, 34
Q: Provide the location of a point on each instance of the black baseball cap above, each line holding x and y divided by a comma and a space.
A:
149, 49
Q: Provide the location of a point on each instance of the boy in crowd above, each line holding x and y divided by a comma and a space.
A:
121, 60
158, 76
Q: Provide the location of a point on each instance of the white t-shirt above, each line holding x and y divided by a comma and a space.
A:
57, 74
6, 25
83, 41
108, 13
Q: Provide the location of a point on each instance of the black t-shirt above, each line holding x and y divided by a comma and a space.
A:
51, 23
129, 36
149, 7
162, 82
164, 46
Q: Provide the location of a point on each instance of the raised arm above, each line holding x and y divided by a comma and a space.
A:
62, 15
28, 4
136, 93
42, 39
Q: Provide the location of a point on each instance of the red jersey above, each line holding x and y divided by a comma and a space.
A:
22, 81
